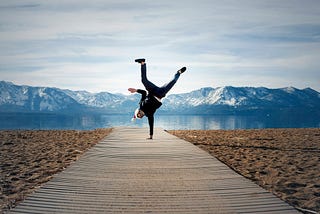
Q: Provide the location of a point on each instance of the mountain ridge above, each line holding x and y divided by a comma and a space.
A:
207, 100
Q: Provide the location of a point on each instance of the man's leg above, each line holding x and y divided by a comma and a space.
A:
167, 87
151, 88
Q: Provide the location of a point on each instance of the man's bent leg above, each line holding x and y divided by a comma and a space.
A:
167, 87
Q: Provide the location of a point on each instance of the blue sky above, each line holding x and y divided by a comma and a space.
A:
91, 45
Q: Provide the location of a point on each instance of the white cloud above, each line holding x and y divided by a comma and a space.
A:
83, 45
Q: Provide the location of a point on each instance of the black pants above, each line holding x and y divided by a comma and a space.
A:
159, 92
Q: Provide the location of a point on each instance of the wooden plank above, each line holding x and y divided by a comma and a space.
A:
127, 174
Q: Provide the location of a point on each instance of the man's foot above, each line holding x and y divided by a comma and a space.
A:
140, 60
183, 69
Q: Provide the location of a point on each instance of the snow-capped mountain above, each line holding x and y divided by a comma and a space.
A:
100, 100
226, 99
246, 96
105, 101
36, 99
203, 101
44, 99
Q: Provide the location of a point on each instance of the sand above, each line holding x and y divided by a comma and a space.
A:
286, 162
30, 158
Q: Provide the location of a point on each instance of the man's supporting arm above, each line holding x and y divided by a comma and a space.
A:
151, 122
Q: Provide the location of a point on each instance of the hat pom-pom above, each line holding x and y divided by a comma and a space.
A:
134, 118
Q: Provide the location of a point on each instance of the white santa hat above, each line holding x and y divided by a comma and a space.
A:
135, 116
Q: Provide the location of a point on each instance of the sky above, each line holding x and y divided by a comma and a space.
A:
91, 45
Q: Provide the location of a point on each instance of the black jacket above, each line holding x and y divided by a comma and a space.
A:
149, 104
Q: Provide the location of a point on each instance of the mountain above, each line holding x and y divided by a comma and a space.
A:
14, 98
104, 101
241, 99
34, 99
221, 100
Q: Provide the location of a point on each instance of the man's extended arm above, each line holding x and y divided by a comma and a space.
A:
140, 91
143, 93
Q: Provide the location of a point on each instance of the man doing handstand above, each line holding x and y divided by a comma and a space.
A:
151, 101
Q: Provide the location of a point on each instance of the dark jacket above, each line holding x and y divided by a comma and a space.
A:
149, 104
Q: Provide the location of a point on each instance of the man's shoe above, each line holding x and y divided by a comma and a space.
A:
183, 69
140, 60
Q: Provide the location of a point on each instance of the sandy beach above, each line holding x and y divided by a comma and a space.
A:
30, 158
283, 161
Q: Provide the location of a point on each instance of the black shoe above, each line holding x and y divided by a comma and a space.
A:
140, 60
183, 69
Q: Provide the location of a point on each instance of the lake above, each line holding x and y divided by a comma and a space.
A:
169, 122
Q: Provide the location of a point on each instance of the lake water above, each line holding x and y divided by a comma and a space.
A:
169, 122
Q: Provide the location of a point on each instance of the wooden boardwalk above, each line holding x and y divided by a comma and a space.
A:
127, 174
